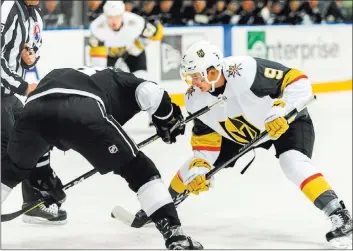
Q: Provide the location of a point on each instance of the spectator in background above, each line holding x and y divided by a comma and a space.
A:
310, 12
95, 8
219, 7
169, 12
334, 12
295, 12
66, 8
197, 13
234, 8
129, 5
149, 10
347, 10
279, 12
53, 17
219, 13
295, 15
132, 6
251, 12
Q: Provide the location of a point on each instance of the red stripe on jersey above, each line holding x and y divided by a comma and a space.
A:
97, 56
207, 148
179, 176
307, 180
297, 78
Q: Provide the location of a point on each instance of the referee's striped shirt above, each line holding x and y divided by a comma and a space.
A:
19, 25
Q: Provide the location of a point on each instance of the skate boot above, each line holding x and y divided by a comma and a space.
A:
43, 183
341, 234
140, 219
174, 237
46, 214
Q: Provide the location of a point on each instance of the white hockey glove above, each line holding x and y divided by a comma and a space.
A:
275, 123
196, 177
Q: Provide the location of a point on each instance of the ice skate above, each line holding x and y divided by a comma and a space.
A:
340, 236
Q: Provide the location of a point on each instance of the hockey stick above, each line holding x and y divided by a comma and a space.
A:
221, 99
290, 117
29, 207
129, 219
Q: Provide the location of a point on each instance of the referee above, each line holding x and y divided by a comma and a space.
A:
21, 39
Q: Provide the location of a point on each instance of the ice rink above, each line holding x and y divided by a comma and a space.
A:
258, 210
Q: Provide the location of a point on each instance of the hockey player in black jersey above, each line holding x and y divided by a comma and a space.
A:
84, 110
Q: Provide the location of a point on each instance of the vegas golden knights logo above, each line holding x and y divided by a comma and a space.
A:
116, 51
239, 129
200, 53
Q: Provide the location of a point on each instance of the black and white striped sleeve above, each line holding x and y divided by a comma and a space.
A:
9, 22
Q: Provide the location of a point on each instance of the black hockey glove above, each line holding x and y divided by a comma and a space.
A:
164, 126
45, 180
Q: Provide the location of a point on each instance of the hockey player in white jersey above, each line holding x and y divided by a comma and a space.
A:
117, 34
259, 93
119, 38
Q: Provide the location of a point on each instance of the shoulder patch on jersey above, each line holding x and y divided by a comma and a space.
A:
2, 27
190, 91
234, 70
131, 22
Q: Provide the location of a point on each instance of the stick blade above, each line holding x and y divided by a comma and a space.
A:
122, 215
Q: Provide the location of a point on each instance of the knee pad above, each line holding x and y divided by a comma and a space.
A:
139, 171
297, 166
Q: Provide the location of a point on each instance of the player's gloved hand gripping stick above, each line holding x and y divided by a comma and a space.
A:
133, 220
30, 206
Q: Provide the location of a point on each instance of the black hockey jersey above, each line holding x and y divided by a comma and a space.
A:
113, 88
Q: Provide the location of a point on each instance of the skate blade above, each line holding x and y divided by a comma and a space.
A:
344, 242
41, 221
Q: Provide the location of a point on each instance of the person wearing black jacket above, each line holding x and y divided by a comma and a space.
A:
197, 13
21, 39
310, 8
94, 105
251, 13
95, 9
333, 13
169, 12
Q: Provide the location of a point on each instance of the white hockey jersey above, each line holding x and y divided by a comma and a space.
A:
251, 86
132, 38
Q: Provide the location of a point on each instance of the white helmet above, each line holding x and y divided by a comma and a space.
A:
198, 58
114, 8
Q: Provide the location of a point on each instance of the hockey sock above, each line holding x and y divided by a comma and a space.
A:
177, 189
302, 172
156, 202
318, 191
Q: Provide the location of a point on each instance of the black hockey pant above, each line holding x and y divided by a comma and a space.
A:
69, 122
11, 108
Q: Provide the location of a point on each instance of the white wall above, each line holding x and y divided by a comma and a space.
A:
323, 52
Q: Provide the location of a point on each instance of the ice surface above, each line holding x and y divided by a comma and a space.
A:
261, 209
